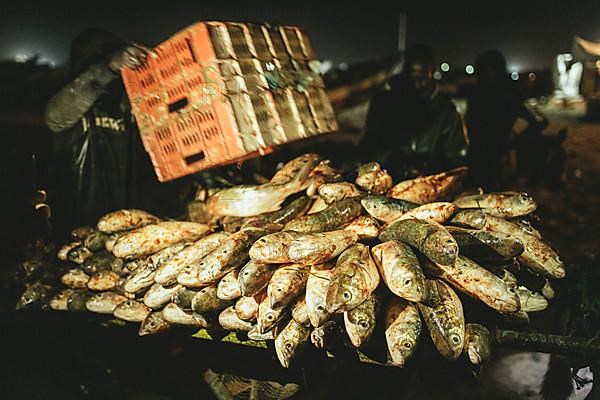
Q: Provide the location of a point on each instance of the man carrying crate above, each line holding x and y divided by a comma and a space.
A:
96, 138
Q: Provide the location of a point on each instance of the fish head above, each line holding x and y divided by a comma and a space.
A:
363, 325
344, 292
443, 246
154, 323
403, 349
96, 302
131, 309
531, 301
454, 341
30, 296
268, 248
416, 287
189, 276
251, 276
525, 202
267, 317
319, 314
278, 295
32, 265
288, 342
376, 206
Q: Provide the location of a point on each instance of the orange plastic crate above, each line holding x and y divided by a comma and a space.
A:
207, 99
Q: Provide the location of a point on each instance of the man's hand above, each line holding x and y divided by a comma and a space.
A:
133, 56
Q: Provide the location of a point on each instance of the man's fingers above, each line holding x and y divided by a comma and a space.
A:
145, 49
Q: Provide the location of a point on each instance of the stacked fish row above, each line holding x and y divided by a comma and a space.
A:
297, 258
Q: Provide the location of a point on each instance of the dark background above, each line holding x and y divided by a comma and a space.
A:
530, 33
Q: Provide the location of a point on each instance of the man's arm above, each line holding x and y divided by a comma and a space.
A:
69, 105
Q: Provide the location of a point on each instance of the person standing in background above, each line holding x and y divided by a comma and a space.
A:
493, 107
411, 127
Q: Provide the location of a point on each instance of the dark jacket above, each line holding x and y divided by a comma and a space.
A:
405, 130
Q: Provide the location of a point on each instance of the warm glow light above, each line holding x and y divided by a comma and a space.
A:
532, 76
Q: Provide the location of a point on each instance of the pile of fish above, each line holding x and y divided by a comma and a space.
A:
308, 255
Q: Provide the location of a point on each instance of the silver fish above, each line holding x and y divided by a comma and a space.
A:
105, 302
316, 296
175, 315
131, 311
289, 341
193, 253
252, 200
75, 279
360, 321
402, 330
478, 343
228, 287
229, 320
354, 278
286, 284
158, 296
301, 248
154, 323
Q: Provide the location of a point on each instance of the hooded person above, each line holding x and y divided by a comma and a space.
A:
95, 136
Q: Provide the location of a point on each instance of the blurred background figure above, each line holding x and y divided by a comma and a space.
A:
412, 128
493, 107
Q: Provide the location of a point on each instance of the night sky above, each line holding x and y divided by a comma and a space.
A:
530, 33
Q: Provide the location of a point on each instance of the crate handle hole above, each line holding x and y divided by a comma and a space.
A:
194, 158
178, 105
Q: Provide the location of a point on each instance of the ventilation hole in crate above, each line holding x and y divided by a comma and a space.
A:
194, 158
178, 105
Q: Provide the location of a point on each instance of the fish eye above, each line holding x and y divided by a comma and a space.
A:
407, 281
270, 317
363, 324
511, 290
151, 324
408, 345
289, 346
129, 303
347, 296
455, 339
320, 308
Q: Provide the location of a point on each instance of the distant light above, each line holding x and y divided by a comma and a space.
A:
343, 66
437, 75
514, 76
445, 67
568, 57
532, 76
469, 69
46, 61
598, 64
21, 58
326, 65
